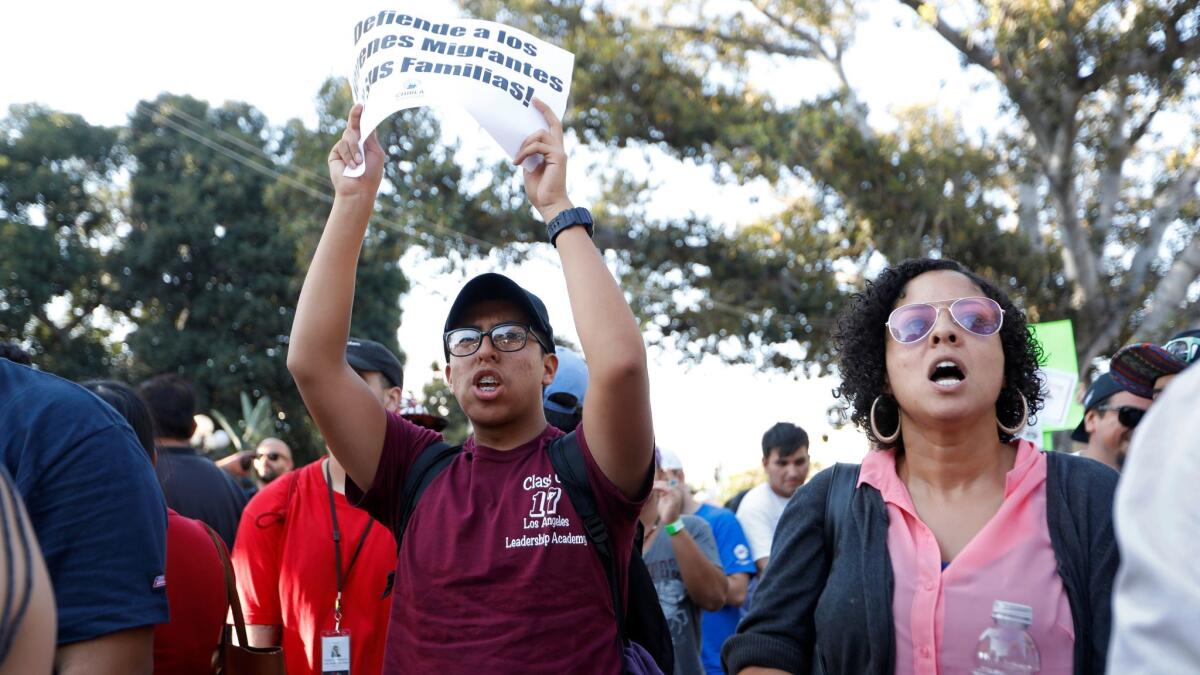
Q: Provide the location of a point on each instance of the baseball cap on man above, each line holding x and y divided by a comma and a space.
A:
1100, 391
493, 286
371, 356
565, 394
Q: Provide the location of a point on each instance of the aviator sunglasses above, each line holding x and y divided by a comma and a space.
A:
912, 323
1185, 349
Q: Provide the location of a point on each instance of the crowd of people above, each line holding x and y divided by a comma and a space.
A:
560, 538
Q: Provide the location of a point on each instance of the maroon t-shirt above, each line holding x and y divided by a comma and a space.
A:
496, 574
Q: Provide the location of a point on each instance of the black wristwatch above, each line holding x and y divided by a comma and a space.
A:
567, 219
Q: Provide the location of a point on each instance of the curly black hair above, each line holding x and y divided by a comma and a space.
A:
859, 342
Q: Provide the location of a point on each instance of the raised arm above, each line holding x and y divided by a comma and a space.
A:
351, 419
616, 413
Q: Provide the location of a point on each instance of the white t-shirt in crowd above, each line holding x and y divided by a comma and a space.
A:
1156, 596
759, 514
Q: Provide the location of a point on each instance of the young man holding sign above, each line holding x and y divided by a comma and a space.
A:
495, 572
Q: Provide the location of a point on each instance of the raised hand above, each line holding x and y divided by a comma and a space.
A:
345, 153
670, 501
546, 186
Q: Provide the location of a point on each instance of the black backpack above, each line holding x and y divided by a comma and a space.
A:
642, 621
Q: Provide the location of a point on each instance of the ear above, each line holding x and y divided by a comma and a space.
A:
766, 461
1089, 421
549, 369
447, 372
393, 399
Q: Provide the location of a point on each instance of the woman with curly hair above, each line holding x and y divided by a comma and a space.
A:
899, 570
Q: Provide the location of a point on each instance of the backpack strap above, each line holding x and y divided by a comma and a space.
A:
429, 463
842, 482
433, 459
567, 458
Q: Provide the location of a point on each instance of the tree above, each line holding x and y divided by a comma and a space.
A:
56, 213
205, 273
1084, 80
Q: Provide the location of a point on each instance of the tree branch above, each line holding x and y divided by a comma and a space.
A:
1150, 59
1171, 292
1167, 205
747, 41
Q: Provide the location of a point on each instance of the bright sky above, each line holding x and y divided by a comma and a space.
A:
99, 59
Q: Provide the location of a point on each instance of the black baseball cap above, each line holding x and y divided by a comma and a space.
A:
371, 356
1100, 391
493, 286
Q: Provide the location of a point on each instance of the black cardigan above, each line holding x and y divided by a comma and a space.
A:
845, 611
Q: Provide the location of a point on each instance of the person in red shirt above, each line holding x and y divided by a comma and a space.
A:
495, 573
289, 572
195, 577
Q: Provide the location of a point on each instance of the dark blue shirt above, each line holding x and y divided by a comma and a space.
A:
197, 488
93, 500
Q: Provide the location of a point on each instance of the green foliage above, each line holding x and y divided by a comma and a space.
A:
255, 425
55, 216
439, 400
1084, 81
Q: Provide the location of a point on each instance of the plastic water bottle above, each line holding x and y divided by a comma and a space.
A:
1006, 648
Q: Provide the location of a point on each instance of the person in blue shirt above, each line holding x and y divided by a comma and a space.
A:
99, 516
736, 560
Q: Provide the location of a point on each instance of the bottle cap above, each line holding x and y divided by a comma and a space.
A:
1011, 611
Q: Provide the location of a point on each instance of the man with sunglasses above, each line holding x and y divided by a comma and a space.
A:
272, 459
1146, 368
495, 572
1110, 414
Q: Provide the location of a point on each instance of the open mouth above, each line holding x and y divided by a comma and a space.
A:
947, 373
487, 382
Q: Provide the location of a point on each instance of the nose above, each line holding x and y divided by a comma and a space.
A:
944, 328
487, 349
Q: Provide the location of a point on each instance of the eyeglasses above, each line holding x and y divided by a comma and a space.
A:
912, 323
1185, 348
1127, 415
506, 337
273, 456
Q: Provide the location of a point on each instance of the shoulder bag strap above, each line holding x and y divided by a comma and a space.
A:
231, 592
842, 483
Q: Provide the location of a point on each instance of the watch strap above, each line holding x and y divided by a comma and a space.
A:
567, 219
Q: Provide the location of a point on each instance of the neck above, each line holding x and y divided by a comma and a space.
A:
947, 459
337, 475
511, 434
162, 442
1103, 456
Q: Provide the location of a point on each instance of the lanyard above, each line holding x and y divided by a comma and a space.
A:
337, 551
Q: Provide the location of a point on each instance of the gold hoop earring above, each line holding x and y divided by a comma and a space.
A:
884, 440
1020, 426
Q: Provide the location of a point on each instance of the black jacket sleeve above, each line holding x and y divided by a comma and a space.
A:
779, 631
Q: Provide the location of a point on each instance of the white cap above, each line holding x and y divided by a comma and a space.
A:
1011, 611
667, 460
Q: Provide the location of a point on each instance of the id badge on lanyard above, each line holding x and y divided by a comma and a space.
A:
335, 644
335, 652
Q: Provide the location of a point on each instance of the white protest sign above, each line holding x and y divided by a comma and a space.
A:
1060, 390
410, 57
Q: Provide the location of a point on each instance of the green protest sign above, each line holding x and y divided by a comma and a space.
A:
1061, 368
